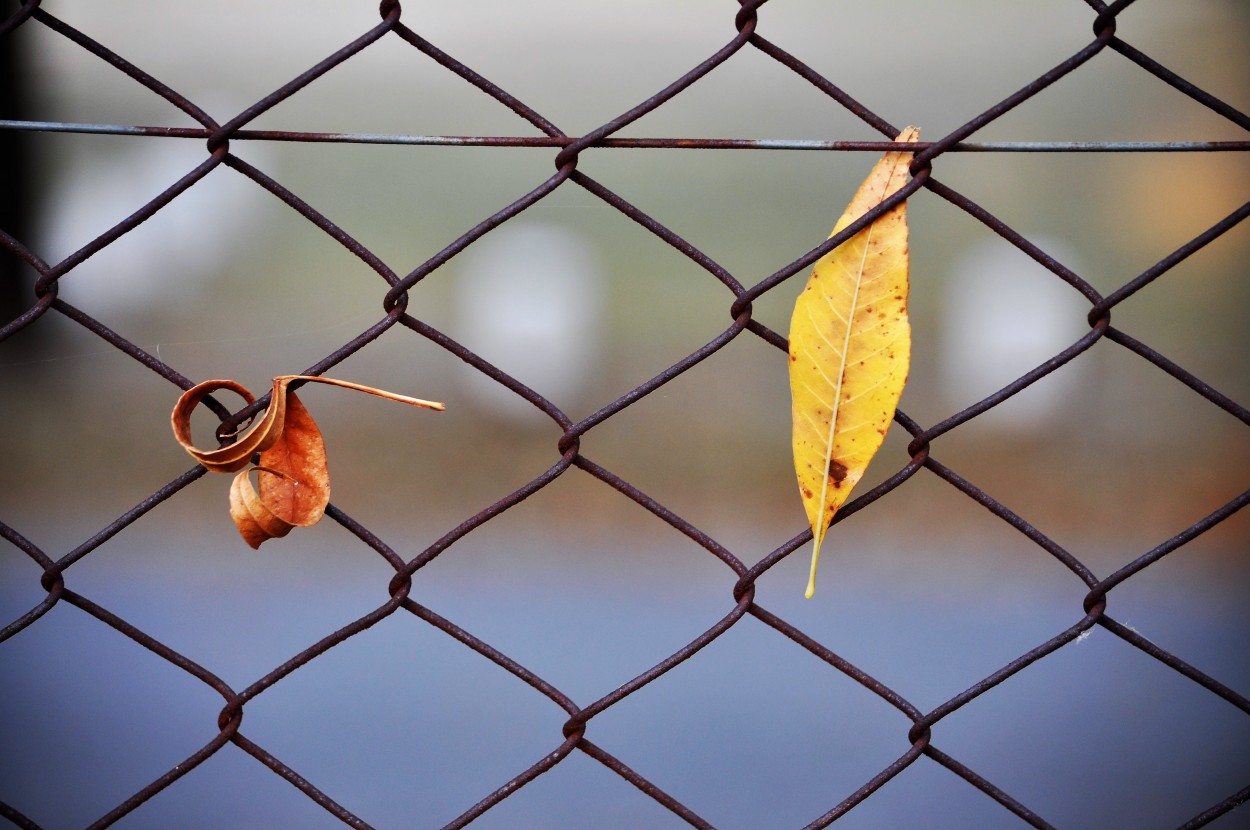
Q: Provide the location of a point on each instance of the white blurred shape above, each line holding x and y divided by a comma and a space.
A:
529, 299
1004, 314
171, 257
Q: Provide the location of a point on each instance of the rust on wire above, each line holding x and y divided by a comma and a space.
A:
917, 733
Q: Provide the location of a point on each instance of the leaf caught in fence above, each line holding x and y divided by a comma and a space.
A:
294, 481
294, 478
850, 346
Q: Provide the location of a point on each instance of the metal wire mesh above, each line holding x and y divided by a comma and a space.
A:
397, 298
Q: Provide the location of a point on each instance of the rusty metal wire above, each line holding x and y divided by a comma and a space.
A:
394, 301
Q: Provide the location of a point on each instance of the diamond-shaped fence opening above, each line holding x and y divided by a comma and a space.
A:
573, 599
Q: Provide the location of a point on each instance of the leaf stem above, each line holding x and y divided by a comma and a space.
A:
381, 393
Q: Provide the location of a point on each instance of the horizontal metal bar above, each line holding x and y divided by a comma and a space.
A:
636, 143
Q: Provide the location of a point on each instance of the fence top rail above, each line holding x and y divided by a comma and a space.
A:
635, 143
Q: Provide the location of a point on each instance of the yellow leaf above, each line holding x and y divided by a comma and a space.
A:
850, 346
295, 478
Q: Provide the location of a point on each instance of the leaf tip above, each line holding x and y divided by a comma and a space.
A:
811, 576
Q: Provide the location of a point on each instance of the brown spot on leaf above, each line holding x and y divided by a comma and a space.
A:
836, 472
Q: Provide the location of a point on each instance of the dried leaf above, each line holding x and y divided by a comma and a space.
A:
294, 476
255, 521
850, 346
296, 486
294, 481
239, 454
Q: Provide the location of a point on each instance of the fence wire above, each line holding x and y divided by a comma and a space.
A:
395, 302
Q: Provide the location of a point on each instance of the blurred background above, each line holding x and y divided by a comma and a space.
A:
926, 590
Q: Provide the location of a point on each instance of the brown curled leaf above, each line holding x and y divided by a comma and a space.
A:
255, 521
238, 455
298, 488
294, 476
294, 481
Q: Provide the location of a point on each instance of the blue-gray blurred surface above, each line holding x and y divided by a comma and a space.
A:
406, 727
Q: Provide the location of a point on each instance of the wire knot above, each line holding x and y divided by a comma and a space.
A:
1104, 26
746, 15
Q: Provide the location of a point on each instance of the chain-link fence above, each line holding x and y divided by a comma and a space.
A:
39, 315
